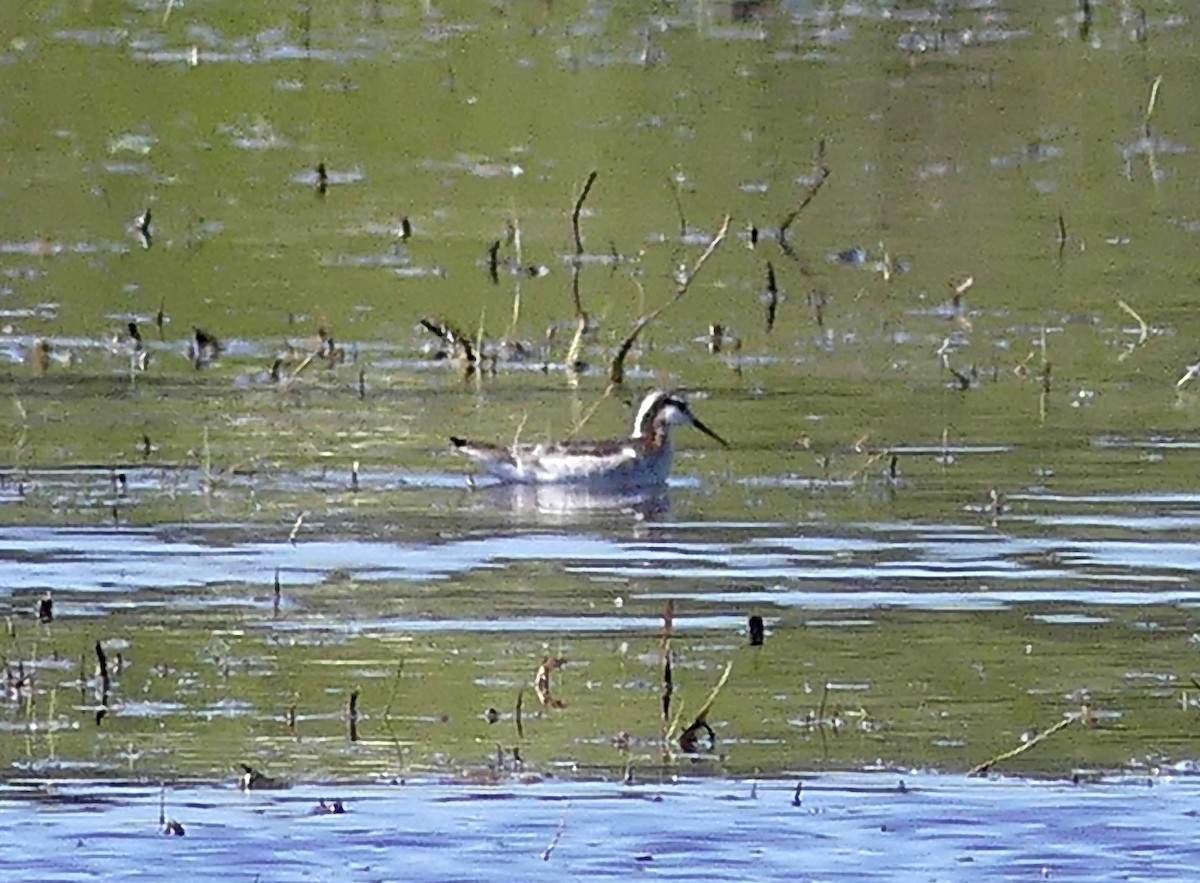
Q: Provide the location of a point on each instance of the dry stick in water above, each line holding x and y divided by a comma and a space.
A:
1143, 331
676, 186
616, 374
387, 712
105, 683
820, 174
296, 528
454, 340
1152, 103
562, 826
668, 688
687, 739
516, 310
581, 317
102, 668
494, 262
984, 767
517, 715
773, 296
583, 195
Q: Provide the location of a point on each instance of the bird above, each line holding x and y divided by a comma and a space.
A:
642, 460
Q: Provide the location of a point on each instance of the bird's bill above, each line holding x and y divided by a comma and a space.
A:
696, 423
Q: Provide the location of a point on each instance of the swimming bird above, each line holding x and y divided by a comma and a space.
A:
643, 459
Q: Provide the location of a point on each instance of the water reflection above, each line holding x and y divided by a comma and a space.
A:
572, 504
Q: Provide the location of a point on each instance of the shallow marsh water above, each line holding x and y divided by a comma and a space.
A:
961, 490
841, 827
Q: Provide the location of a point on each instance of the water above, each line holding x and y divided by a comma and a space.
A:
864, 826
960, 490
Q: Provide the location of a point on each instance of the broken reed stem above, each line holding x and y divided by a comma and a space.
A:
1143, 330
773, 296
352, 716
984, 767
821, 707
295, 531
701, 718
616, 375
387, 712
516, 310
819, 175
453, 339
102, 668
668, 689
581, 318
517, 715
562, 826
583, 195
1150, 105
676, 188
308, 360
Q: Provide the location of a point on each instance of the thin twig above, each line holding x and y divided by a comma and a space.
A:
819, 175
581, 317
616, 375
984, 767
1143, 331
1153, 102
562, 826
583, 195
517, 715
773, 296
387, 711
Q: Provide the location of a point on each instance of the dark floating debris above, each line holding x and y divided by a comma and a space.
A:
141, 226
772, 296
541, 681
716, 335
203, 348
255, 780
169, 827
459, 345
172, 828
1085, 19
333, 808
43, 350
494, 262
328, 349
756, 630
855, 257
105, 682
